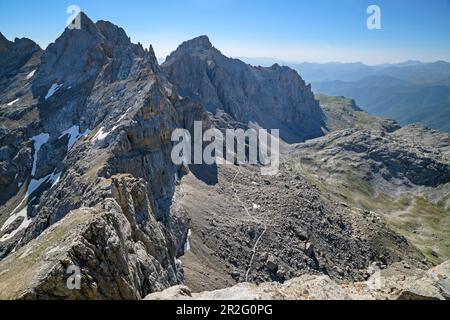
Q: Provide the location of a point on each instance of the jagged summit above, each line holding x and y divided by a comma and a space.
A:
20, 56
113, 33
92, 107
201, 42
79, 56
100, 31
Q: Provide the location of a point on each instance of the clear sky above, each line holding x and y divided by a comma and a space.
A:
290, 30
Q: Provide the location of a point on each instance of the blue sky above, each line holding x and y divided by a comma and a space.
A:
290, 30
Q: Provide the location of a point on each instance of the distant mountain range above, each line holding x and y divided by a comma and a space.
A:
409, 92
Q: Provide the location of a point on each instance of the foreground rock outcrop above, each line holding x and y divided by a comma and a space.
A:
399, 282
87, 181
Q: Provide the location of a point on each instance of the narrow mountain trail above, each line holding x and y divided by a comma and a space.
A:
256, 220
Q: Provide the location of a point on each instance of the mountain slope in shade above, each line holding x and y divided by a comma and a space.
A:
275, 97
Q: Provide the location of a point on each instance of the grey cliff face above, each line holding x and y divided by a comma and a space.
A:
87, 180
272, 98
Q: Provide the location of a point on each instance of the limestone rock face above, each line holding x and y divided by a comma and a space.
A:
104, 244
16, 57
272, 98
90, 133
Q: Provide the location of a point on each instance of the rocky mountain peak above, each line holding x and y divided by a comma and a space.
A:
90, 33
198, 43
16, 57
95, 92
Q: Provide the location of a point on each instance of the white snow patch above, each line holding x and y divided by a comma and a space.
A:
55, 87
12, 102
39, 141
100, 135
74, 135
55, 179
31, 74
187, 245
35, 184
